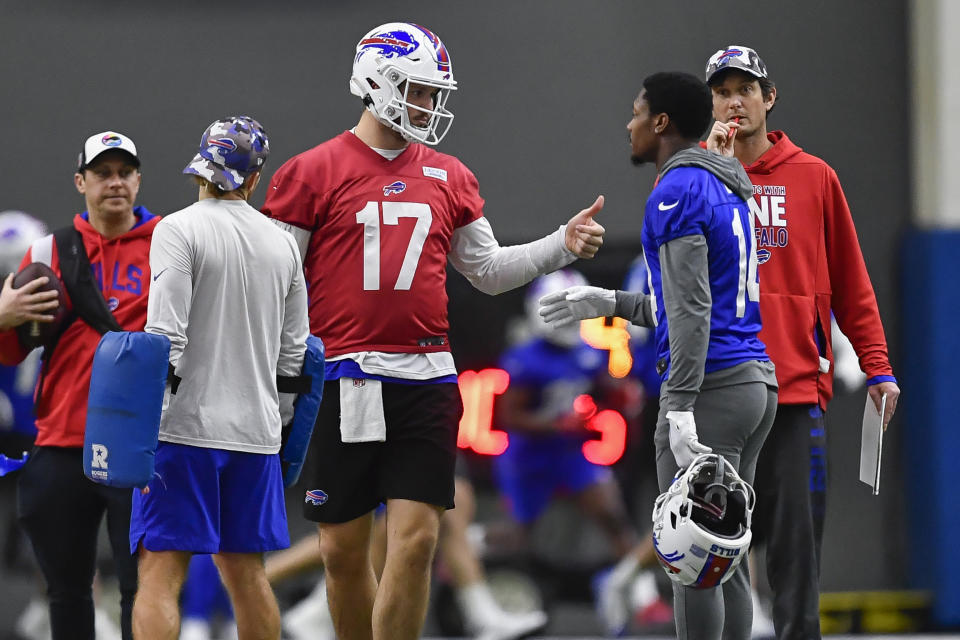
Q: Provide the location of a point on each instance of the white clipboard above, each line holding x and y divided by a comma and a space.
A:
871, 443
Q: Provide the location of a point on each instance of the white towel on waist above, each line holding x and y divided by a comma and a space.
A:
361, 411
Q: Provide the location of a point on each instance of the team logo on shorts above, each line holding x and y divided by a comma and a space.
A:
111, 140
394, 188
316, 497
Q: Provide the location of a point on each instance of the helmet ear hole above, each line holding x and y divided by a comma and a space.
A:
736, 516
373, 85
673, 520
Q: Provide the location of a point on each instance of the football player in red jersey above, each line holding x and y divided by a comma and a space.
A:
810, 265
377, 214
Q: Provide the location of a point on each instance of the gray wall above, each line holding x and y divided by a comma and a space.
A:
546, 90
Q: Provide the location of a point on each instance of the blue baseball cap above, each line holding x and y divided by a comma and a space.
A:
230, 150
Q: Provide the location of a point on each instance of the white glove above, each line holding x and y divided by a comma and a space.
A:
683, 438
573, 304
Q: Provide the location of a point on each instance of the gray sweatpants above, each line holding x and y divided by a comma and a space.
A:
734, 422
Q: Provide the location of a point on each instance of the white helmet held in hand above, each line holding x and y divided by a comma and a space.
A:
18, 230
701, 523
388, 59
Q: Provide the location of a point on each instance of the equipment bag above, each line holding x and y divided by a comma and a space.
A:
123, 409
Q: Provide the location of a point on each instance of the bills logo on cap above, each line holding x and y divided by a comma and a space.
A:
111, 140
726, 55
394, 188
223, 143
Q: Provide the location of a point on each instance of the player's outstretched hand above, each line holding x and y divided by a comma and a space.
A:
584, 235
683, 438
25, 304
573, 304
722, 137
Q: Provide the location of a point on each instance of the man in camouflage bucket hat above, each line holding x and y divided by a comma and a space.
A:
220, 432
230, 151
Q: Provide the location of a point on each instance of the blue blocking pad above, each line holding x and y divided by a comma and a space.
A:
305, 410
123, 408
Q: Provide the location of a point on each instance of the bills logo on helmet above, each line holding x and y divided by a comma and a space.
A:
390, 44
223, 143
394, 188
316, 497
443, 58
111, 140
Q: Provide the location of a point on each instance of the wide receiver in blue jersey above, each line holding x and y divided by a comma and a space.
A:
698, 244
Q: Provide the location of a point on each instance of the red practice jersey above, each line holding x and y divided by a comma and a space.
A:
379, 237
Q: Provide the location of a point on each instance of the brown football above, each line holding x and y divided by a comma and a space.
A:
36, 334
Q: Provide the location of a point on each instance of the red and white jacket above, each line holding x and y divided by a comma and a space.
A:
121, 267
810, 265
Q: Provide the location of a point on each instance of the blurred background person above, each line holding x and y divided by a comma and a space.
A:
207, 614
545, 410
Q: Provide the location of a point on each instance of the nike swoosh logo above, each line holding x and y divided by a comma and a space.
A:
667, 207
157, 275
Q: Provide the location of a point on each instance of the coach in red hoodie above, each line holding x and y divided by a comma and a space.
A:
59, 508
810, 265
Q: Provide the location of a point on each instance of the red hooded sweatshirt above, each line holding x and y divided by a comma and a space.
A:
62, 410
810, 264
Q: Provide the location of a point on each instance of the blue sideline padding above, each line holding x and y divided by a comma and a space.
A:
930, 437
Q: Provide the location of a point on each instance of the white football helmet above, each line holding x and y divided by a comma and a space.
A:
388, 59
567, 336
18, 231
701, 523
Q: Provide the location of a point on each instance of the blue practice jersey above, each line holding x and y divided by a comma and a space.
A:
16, 395
537, 466
555, 375
691, 201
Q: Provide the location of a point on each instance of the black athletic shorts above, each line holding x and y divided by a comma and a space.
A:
416, 462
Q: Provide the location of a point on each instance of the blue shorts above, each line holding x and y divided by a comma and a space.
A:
210, 500
535, 468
